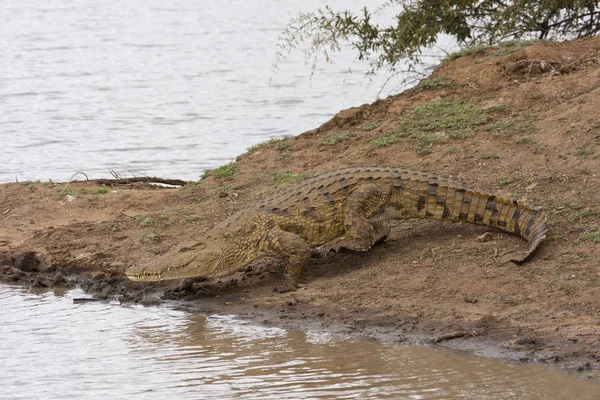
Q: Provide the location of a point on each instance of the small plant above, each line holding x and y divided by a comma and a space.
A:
521, 123
490, 156
196, 185
555, 238
452, 150
282, 144
334, 138
593, 236
465, 52
585, 150
582, 214
223, 172
289, 177
423, 144
369, 126
538, 149
496, 109
100, 190
144, 238
147, 222
504, 182
384, 140
534, 95
279, 143
594, 123
524, 140
430, 83
432, 121
67, 191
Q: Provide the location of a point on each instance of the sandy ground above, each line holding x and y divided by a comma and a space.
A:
540, 138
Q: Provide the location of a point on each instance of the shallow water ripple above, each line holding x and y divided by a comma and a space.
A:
54, 349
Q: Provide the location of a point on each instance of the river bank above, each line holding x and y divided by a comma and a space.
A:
521, 120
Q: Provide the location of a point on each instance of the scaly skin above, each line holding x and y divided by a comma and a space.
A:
349, 208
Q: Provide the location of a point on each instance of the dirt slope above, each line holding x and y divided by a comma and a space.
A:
522, 120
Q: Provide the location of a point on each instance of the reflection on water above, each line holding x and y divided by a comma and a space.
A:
52, 348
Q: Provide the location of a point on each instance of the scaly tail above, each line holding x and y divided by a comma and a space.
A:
447, 198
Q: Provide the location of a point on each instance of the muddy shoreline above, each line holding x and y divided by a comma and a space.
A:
290, 311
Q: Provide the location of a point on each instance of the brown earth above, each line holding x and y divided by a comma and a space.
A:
541, 140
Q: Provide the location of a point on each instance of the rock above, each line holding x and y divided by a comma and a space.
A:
470, 299
27, 262
59, 279
486, 237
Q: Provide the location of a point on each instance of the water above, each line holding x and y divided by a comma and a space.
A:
54, 349
157, 88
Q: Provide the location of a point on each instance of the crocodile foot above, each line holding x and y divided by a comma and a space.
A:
286, 288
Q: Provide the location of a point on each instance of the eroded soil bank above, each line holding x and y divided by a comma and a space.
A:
522, 120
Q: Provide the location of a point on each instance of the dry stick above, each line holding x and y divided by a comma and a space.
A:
146, 179
454, 335
464, 329
449, 336
77, 173
579, 60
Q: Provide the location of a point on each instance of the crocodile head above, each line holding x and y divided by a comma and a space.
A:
199, 260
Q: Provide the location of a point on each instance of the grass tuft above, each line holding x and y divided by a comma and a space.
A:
334, 138
289, 177
223, 172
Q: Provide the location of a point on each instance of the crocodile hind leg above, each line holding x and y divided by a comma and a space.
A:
381, 230
360, 234
287, 245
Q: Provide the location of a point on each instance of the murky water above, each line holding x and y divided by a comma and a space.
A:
154, 87
51, 348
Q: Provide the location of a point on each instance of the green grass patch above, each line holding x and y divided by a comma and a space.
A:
144, 238
383, 141
585, 151
524, 140
423, 143
465, 52
431, 83
455, 118
278, 143
504, 182
289, 177
538, 149
432, 121
452, 150
501, 49
147, 222
223, 172
583, 214
496, 109
369, 126
491, 156
519, 124
99, 190
504, 48
334, 138
593, 236
67, 191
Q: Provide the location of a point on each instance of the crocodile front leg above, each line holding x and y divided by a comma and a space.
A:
287, 245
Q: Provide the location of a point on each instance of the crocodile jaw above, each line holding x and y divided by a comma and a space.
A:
187, 263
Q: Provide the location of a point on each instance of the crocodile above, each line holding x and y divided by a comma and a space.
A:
344, 209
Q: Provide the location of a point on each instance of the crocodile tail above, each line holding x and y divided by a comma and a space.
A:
447, 198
